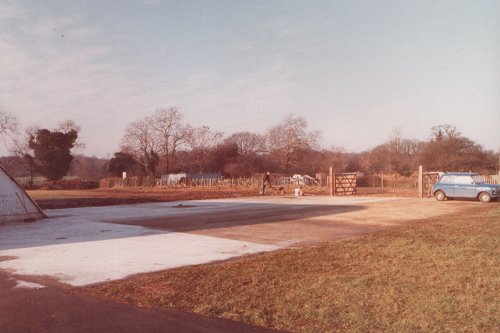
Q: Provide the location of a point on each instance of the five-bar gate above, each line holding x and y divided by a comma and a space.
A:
342, 183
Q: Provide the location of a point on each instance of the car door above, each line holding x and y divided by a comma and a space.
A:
464, 187
447, 185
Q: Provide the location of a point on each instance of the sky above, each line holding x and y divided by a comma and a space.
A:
355, 70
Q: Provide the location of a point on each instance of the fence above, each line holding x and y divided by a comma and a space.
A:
492, 179
243, 182
384, 181
206, 182
249, 182
146, 181
296, 180
345, 185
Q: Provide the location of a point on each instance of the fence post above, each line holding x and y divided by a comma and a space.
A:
420, 181
382, 180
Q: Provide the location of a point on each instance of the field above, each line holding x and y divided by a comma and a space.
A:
431, 276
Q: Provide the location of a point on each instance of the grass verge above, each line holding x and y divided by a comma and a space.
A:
432, 276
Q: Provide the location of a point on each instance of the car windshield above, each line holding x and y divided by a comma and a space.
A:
478, 179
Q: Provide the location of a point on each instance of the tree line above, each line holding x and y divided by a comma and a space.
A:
163, 142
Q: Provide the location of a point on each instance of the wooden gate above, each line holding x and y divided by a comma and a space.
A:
426, 181
343, 184
429, 179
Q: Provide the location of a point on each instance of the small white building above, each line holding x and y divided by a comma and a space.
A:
15, 203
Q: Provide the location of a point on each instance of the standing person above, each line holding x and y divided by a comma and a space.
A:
267, 178
266, 181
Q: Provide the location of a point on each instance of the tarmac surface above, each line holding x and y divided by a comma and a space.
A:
31, 309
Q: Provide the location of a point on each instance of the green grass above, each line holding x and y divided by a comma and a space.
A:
433, 276
38, 180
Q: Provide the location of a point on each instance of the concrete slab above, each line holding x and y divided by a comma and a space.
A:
74, 248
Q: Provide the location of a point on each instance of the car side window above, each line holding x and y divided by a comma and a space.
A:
463, 180
447, 180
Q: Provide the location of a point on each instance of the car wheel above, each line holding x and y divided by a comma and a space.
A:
439, 195
484, 197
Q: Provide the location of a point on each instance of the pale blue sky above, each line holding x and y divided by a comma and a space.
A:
354, 69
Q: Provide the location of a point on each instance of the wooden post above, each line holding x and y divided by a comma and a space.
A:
382, 180
331, 181
334, 183
420, 181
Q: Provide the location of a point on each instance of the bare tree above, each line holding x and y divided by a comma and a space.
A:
396, 140
8, 125
401, 153
335, 157
245, 153
204, 138
248, 143
288, 139
203, 141
141, 142
172, 134
21, 149
445, 131
448, 150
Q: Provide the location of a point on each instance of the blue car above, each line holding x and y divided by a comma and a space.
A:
464, 185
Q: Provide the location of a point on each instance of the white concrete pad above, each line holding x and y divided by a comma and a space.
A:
73, 247
97, 261
28, 285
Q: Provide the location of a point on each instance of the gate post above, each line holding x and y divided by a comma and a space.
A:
420, 181
332, 185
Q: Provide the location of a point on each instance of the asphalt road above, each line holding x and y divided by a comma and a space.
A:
57, 310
